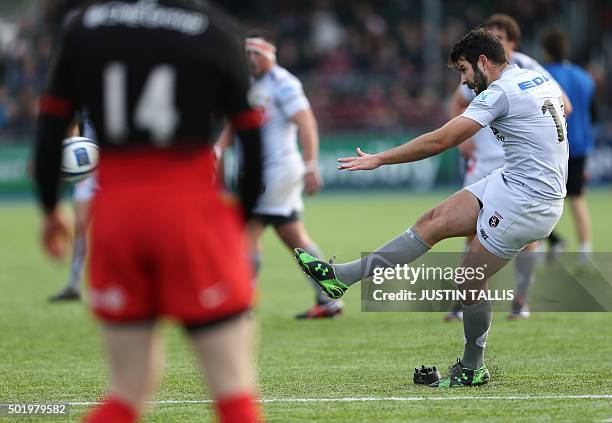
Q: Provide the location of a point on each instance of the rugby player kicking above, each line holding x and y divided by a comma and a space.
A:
512, 207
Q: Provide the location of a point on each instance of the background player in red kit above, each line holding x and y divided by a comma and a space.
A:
152, 74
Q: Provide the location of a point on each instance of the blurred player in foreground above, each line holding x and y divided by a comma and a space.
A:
286, 172
83, 195
580, 88
162, 238
485, 153
514, 206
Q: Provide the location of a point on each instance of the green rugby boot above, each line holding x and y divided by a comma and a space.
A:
321, 272
460, 376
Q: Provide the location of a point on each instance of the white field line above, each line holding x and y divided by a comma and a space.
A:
371, 399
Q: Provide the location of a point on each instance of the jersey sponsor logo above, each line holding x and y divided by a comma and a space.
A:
81, 156
497, 134
145, 14
535, 82
213, 296
487, 97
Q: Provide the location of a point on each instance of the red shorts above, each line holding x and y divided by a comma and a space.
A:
163, 241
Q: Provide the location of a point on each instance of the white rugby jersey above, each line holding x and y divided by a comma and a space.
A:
525, 112
488, 152
282, 96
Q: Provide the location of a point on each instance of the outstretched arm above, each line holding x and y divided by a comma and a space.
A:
457, 107
451, 134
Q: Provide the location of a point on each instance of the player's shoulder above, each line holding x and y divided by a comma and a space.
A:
72, 21
509, 77
284, 83
491, 96
524, 61
217, 16
521, 79
281, 76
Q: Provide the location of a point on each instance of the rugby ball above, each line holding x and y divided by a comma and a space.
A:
79, 158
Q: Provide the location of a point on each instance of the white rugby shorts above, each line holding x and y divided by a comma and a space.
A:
510, 218
283, 186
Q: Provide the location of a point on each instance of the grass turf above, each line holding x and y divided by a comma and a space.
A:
52, 353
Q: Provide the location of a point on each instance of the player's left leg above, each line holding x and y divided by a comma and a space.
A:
136, 359
454, 217
72, 290
294, 235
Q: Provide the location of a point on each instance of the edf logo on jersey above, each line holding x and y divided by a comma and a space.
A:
525, 85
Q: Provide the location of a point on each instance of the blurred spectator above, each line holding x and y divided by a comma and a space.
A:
362, 61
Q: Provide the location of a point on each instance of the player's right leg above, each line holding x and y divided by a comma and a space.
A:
135, 355
225, 353
508, 221
454, 217
84, 192
470, 370
72, 289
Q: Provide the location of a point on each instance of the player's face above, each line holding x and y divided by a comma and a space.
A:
472, 77
501, 35
258, 63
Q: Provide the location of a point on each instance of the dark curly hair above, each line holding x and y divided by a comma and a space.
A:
476, 42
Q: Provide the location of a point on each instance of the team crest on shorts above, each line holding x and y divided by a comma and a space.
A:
495, 219
82, 158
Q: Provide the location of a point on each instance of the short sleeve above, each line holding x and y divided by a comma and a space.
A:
489, 105
290, 97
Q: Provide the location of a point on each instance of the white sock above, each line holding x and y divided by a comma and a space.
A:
78, 259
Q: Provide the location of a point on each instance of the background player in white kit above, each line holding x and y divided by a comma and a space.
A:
484, 154
83, 194
286, 172
514, 206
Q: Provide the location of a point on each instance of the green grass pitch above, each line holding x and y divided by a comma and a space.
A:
540, 367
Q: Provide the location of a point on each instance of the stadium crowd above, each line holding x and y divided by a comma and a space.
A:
362, 63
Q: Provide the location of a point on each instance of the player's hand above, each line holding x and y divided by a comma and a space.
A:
364, 161
312, 181
55, 235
